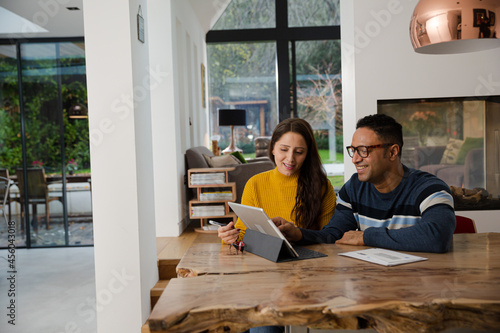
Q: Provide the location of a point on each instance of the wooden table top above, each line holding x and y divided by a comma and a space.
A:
231, 293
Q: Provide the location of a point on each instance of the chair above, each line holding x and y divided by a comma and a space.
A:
465, 225
4, 197
38, 192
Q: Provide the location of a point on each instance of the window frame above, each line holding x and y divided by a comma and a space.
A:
282, 35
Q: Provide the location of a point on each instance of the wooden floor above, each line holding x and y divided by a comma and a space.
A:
169, 248
169, 252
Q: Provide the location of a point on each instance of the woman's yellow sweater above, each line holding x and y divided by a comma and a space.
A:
275, 193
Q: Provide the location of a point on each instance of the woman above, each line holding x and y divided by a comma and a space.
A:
297, 190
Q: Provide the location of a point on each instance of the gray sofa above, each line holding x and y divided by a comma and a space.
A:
469, 175
194, 159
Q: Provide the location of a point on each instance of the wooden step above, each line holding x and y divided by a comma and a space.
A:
169, 252
145, 328
171, 249
166, 268
157, 290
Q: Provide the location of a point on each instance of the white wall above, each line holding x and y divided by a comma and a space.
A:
177, 49
191, 52
190, 49
165, 129
121, 161
378, 62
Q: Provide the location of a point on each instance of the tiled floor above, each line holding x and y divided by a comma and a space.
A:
55, 290
80, 232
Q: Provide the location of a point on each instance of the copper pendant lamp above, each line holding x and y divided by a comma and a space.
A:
455, 26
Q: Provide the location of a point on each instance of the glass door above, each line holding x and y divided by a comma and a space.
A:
43, 149
10, 146
46, 147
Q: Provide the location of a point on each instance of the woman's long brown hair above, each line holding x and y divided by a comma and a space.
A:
312, 183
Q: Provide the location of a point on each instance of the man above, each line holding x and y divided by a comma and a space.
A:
385, 204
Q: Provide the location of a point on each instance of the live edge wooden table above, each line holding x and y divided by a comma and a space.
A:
220, 292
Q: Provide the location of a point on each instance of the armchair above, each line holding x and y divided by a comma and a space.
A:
240, 175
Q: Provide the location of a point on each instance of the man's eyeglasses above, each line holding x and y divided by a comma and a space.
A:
363, 151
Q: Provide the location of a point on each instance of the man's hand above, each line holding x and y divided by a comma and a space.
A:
288, 229
351, 238
228, 234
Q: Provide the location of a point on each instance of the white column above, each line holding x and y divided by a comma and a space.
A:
348, 56
121, 161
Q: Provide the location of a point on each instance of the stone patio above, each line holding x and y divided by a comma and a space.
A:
80, 232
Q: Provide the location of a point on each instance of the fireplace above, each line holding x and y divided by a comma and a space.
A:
458, 140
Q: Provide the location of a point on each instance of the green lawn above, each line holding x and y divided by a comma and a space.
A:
248, 156
325, 157
337, 181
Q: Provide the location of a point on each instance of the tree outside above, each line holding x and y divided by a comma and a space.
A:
41, 92
244, 74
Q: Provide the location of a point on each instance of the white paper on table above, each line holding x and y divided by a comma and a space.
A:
383, 256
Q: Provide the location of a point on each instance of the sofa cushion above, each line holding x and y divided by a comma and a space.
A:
469, 143
195, 159
453, 175
221, 161
239, 156
427, 155
450, 154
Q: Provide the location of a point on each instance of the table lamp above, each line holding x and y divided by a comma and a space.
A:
232, 117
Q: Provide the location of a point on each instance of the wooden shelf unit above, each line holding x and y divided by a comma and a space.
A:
202, 188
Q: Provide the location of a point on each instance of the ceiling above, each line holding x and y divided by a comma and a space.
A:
49, 19
38, 19
208, 12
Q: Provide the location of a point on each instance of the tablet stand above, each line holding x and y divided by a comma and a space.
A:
269, 247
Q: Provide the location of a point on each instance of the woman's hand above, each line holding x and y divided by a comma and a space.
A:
288, 229
228, 234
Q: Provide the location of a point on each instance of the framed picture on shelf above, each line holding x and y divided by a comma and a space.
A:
491, 16
479, 15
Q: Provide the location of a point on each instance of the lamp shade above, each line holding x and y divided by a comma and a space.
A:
232, 117
78, 111
455, 26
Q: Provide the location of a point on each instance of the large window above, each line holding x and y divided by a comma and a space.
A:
313, 13
245, 14
243, 75
265, 57
319, 96
44, 143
